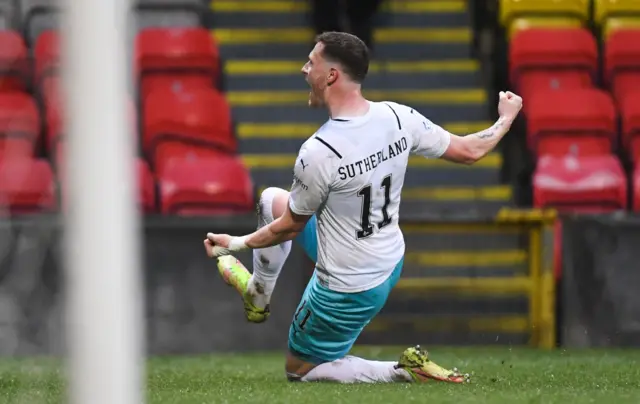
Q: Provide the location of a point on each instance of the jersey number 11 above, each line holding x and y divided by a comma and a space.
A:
366, 228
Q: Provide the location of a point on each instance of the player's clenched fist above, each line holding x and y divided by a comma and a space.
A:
217, 245
509, 105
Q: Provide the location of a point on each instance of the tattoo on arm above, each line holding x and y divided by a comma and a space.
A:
489, 133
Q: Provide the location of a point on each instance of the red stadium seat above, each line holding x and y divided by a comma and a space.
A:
571, 183
579, 121
219, 185
552, 59
199, 118
26, 186
630, 113
636, 189
51, 89
13, 62
19, 125
46, 55
54, 130
622, 62
147, 187
185, 54
166, 152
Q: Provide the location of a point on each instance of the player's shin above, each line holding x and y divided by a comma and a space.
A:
352, 369
268, 262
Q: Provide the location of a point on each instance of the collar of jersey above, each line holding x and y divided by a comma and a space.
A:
353, 120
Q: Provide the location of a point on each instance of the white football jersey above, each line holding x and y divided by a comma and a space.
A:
350, 174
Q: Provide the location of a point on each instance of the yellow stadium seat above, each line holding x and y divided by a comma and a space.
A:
518, 24
604, 9
510, 9
613, 24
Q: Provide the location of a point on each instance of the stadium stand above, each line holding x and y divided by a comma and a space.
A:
178, 77
185, 114
575, 91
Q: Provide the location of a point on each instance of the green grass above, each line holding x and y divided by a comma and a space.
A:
500, 375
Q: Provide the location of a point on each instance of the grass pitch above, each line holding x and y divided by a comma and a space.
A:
500, 375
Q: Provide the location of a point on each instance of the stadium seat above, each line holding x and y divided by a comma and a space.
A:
552, 59
46, 55
636, 189
622, 62
581, 121
523, 23
13, 62
185, 55
146, 186
26, 186
219, 185
199, 118
615, 24
19, 125
54, 126
572, 183
169, 13
630, 114
611, 15
510, 10
168, 151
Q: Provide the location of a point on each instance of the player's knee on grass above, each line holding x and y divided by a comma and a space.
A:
296, 368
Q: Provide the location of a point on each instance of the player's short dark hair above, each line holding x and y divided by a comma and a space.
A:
347, 50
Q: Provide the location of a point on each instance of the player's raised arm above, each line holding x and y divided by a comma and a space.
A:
431, 140
471, 148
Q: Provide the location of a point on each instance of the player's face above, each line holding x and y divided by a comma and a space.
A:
316, 72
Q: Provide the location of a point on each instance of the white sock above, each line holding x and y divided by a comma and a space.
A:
352, 369
267, 262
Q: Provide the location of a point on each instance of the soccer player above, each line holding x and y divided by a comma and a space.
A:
343, 210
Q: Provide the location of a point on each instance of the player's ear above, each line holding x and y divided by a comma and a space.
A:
332, 77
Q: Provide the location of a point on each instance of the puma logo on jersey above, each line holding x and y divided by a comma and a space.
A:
303, 164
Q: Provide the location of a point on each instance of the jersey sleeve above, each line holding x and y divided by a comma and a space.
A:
313, 174
429, 139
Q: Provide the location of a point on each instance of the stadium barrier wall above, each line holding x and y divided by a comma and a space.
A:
190, 310
600, 281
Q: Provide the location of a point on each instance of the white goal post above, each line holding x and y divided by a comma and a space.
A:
104, 296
